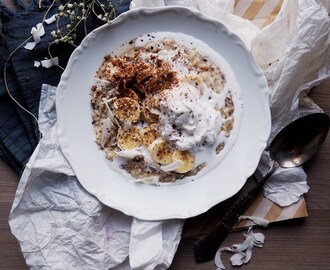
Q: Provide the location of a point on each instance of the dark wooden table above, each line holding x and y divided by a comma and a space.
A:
300, 244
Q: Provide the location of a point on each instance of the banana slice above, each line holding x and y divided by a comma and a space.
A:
129, 139
128, 92
160, 151
149, 134
227, 126
147, 115
194, 77
187, 158
127, 109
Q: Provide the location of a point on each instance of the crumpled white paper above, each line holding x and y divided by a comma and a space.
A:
302, 36
61, 226
285, 186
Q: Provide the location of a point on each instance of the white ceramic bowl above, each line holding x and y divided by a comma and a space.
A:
76, 133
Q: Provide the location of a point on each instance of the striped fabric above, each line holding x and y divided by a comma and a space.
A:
266, 209
260, 12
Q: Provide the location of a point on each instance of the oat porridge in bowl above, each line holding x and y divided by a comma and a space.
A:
165, 110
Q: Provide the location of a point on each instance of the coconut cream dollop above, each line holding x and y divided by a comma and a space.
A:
188, 115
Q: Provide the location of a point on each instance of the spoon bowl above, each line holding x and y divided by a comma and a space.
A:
300, 140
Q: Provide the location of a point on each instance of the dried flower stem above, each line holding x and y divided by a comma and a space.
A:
78, 13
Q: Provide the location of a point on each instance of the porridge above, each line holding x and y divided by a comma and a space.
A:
164, 110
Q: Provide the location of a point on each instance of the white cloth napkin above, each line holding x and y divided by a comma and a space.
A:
61, 226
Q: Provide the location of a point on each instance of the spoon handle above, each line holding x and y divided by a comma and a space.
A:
206, 248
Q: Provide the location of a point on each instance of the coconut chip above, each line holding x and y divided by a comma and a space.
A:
242, 252
110, 113
37, 32
256, 220
51, 19
107, 126
47, 63
130, 154
100, 83
172, 166
151, 180
37, 64
30, 45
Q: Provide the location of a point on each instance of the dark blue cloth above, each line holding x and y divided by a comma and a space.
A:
18, 130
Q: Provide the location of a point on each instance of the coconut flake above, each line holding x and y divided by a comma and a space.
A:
130, 154
242, 252
50, 62
51, 19
37, 32
37, 64
149, 161
151, 180
107, 125
47, 63
257, 220
30, 45
110, 114
172, 166
100, 83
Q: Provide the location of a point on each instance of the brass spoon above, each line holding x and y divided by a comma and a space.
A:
292, 146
